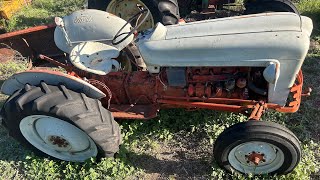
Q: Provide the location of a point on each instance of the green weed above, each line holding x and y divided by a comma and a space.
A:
41, 168
9, 68
311, 8
42, 12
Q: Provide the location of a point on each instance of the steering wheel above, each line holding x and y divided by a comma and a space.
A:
136, 16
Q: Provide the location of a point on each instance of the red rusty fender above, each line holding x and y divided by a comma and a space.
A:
35, 77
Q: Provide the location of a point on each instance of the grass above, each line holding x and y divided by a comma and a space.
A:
42, 12
311, 8
177, 144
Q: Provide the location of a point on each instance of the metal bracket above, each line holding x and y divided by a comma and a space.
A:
258, 111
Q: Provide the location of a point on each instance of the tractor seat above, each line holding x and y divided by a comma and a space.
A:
95, 57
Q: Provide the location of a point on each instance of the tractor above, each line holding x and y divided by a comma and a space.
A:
123, 69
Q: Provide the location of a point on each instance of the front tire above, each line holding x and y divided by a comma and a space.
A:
64, 124
257, 147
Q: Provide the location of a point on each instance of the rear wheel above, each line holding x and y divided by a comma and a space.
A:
254, 7
257, 147
57, 138
165, 11
66, 125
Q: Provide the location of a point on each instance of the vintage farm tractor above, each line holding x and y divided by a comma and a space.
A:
237, 64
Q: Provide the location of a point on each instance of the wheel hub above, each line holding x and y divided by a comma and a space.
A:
255, 158
58, 141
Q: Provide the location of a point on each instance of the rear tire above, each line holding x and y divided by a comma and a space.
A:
276, 148
57, 102
165, 11
255, 7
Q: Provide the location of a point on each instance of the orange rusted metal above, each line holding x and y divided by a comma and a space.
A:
55, 62
136, 94
239, 105
258, 111
128, 88
126, 115
134, 111
203, 105
256, 158
26, 31
296, 91
33, 41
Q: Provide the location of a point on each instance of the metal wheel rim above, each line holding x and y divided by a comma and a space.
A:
274, 157
127, 8
58, 138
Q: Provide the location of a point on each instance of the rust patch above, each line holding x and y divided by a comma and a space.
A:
58, 141
6, 55
256, 158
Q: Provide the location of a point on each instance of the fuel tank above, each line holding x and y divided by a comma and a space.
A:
252, 40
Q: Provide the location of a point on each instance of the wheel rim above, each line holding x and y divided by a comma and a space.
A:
128, 8
256, 157
58, 138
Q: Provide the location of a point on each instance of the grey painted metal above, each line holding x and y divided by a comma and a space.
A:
273, 157
58, 138
91, 25
271, 73
95, 57
34, 78
252, 40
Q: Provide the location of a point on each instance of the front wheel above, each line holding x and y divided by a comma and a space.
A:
66, 125
257, 147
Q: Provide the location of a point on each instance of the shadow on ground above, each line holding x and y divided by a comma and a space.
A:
182, 169
10, 149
